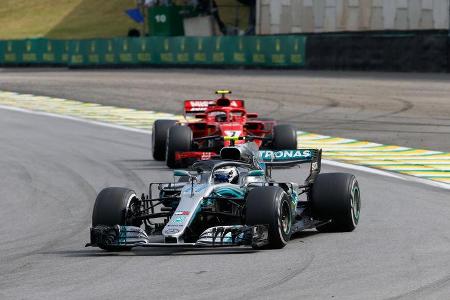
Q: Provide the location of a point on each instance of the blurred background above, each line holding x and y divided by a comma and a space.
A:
387, 35
76, 19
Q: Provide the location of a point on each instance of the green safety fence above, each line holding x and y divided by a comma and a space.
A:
34, 52
264, 51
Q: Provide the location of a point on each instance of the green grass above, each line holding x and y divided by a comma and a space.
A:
73, 19
64, 18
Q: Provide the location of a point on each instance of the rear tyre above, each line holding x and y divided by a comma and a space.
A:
270, 205
179, 139
336, 196
159, 138
284, 137
111, 208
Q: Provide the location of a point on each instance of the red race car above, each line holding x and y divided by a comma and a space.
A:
221, 122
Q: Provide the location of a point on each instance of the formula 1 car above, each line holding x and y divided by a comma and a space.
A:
182, 143
231, 201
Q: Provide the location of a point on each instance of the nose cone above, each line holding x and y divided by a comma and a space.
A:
232, 129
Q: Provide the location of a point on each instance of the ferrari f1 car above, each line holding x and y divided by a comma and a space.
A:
182, 143
231, 201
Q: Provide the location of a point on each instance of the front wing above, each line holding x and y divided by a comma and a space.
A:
219, 236
185, 159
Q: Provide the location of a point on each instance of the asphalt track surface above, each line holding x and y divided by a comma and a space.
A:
51, 170
402, 109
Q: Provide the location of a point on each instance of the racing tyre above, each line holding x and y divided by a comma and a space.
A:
111, 208
179, 139
270, 205
284, 137
159, 138
336, 196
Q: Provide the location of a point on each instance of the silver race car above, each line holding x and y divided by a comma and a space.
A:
228, 201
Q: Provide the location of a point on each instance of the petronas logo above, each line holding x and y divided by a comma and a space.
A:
66, 46
93, 47
125, 45
278, 45
182, 44
240, 44
143, 46
296, 46
200, 44
258, 45
49, 47
77, 47
9, 47
28, 46
109, 46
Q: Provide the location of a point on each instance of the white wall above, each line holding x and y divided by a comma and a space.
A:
293, 16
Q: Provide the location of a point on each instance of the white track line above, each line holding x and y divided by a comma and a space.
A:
325, 161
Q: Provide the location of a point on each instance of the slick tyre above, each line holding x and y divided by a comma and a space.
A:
159, 138
284, 137
111, 208
179, 139
336, 197
270, 205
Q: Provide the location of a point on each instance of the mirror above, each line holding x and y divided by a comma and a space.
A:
181, 173
252, 115
256, 173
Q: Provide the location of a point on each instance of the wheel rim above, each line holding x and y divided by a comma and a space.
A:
285, 218
128, 208
355, 204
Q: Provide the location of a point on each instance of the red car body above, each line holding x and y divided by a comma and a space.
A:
219, 119
220, 123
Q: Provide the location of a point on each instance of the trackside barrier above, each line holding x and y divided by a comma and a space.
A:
408, 51
416, 51
34, 52
264, 51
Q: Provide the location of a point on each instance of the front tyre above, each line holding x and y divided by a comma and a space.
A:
159, 138
270, 205
336, 196
112, 207
284, 137
179, 140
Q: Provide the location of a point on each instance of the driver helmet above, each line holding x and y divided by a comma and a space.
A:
226, 174
221, 117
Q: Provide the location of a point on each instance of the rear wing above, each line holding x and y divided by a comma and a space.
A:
197, 106
289, 158
200, 106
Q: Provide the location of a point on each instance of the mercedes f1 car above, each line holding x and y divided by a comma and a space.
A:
182, 143
231, 201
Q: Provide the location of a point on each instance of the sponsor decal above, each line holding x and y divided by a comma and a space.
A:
206, 156
181, 213
197, 105
285, 154
202, 105
233, 133
174, 225
179, 219
171, 231
197, 188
